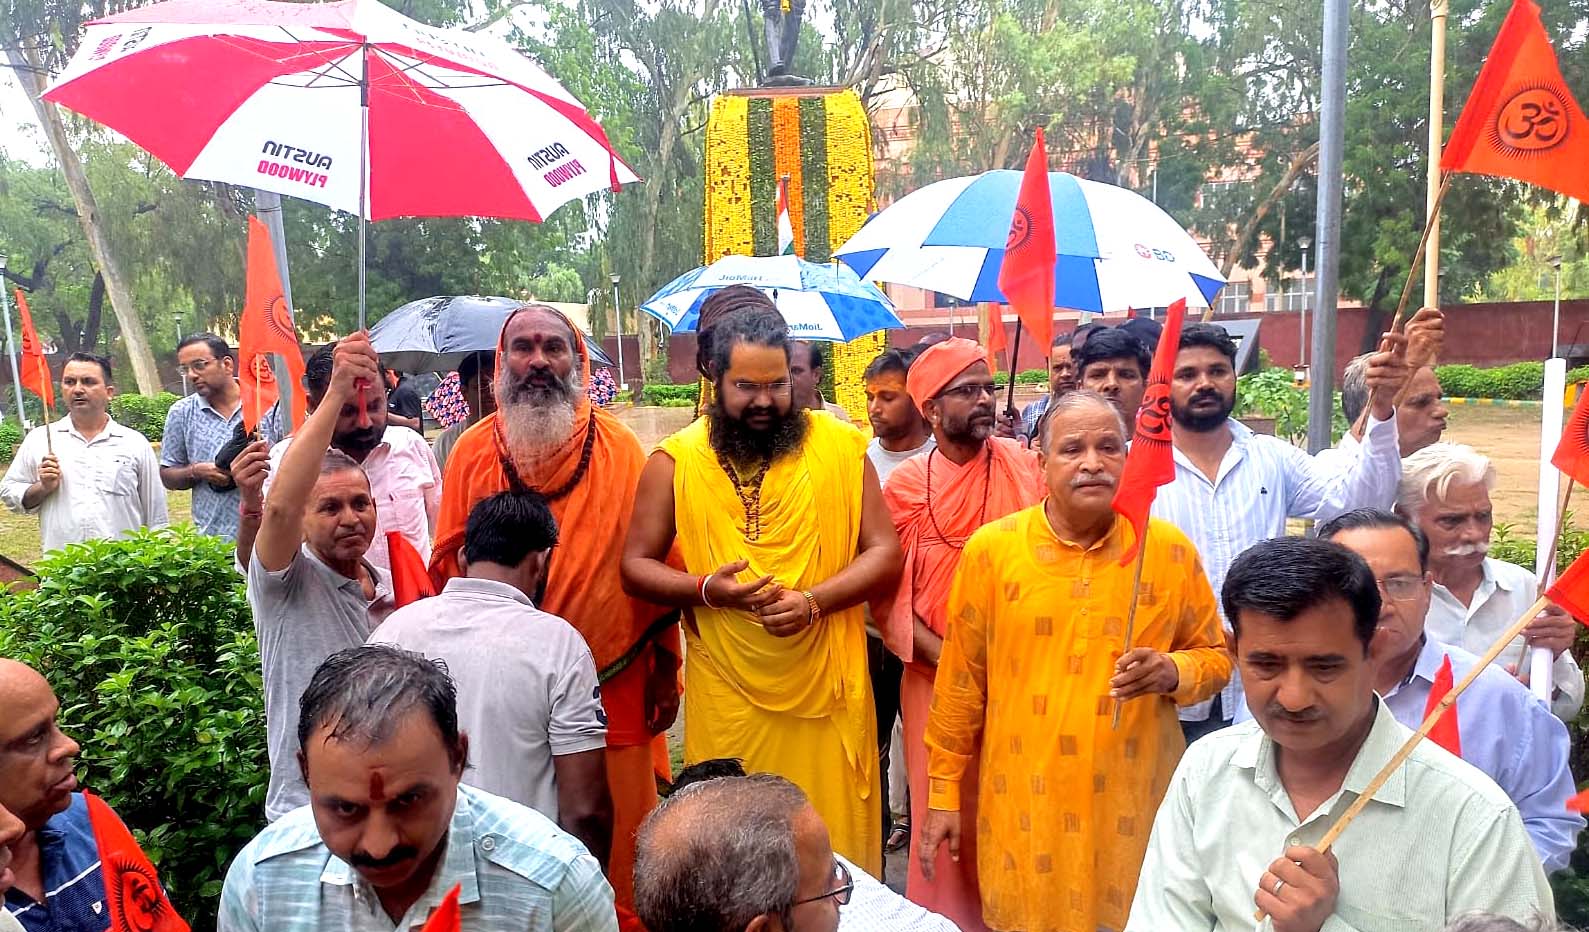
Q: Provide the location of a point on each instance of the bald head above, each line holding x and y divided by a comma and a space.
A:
36, 759
718, 855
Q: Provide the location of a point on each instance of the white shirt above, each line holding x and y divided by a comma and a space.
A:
406, 484
885, 461
1438, 841
527, 687
1260, 483
873, 907
1506, 592
109, 485
1340, 458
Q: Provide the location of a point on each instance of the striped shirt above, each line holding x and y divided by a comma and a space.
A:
518, 873
1260, 483
1437, 841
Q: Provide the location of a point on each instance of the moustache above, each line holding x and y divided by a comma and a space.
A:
1275, 710
1101, 479
1206, 394
399, 854
1468, 550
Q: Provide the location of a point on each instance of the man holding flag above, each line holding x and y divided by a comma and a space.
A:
1032, 670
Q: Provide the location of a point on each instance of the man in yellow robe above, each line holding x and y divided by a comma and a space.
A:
1033, 666
784, 535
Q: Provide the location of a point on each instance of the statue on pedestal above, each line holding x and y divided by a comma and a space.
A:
783, 36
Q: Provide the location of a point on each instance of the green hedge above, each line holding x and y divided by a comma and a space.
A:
143, 413
1024, 377
668, 396
10, 439
149, 645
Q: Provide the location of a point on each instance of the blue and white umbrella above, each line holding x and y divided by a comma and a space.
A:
819, 302
1116, 248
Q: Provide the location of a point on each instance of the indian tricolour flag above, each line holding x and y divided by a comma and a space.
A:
785, 227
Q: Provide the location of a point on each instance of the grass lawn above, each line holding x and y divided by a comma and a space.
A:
19, 534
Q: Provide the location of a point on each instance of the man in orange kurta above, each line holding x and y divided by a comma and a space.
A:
937, 499
547, 436
1033, 666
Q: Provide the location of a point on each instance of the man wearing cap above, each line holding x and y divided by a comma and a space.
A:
937, 500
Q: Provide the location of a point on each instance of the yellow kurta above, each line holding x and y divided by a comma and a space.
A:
800, 706
1065, 803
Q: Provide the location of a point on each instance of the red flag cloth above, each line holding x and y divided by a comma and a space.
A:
1521, 121
34, 371
1579, 802
447, 917
1445, 732
1026, 276
1572, 451
997, 339
266, 328
1571, 589
1150, 463
628, 921
132, 889
410, 577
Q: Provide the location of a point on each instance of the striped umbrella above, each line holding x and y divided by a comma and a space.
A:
818, 302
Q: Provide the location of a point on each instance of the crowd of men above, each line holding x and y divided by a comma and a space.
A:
790, 586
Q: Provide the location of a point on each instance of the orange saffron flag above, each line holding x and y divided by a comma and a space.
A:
410, 577
1572, 450
136, 901
1150, 462
997, 342
32, 368
1571, 589
1521, 121
1026, 274
447, 917
266, 328
1445, 733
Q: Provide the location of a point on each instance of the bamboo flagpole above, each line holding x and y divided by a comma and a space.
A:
44, 379
1429, 722
1131, 615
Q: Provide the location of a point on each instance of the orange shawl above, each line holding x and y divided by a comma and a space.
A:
933, 529
583, 585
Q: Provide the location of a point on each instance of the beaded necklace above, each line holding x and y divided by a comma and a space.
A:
517, 484
749, 493
987, 488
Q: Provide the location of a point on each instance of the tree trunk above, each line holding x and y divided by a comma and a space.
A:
1250, 228
31, 72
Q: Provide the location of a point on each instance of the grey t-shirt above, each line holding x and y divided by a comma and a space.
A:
302, 615
527, 687
886, 461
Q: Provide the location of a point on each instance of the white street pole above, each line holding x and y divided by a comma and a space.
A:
1555, 313
1540, 658
1332, 146
1438, 11
11, 345
617, 311
1302, 312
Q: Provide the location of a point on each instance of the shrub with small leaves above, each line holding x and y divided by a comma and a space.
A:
149, 644
10, 439
145, 414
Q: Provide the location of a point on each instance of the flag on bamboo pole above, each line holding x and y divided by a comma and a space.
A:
1150, 463
1571, 589
1445, 733
1572, 450
785, 225
410, 577
34, 370
134, 898
447, 917
1520, 120
266, 328
1026, 275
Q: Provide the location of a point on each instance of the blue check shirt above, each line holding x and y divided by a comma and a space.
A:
195, 433
518, 872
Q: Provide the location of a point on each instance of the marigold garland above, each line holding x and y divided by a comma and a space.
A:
823, 142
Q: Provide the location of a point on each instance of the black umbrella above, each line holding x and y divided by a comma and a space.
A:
435, 334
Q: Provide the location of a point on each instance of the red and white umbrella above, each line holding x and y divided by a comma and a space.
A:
348, 104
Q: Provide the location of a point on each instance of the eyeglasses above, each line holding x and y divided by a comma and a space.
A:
196, 367
756, 388
1401, 588
971, 391
846, 886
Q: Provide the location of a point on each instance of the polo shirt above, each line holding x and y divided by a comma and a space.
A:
73, 881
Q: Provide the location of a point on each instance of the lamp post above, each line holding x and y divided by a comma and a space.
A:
1304, 242
11, 345
617, 311
1555, 314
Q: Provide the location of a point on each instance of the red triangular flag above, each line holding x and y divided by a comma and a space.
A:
1572, 450
997, 339
132, 888
1445, 732
1026, 274
34, 371
447, 917
410, 579
1521, 121
266, 328
1150, 462
1579, 802
1571, 590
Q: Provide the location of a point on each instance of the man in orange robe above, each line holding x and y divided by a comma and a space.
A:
547, 436
937, 499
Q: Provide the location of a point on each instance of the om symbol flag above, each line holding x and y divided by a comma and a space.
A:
1150, 463
132, 889
1521, 121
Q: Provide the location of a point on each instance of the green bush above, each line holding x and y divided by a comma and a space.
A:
149, 645
1024, 377
1274, 393
10, 439
1580, 374
669, 396
1518, 381
143, 413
